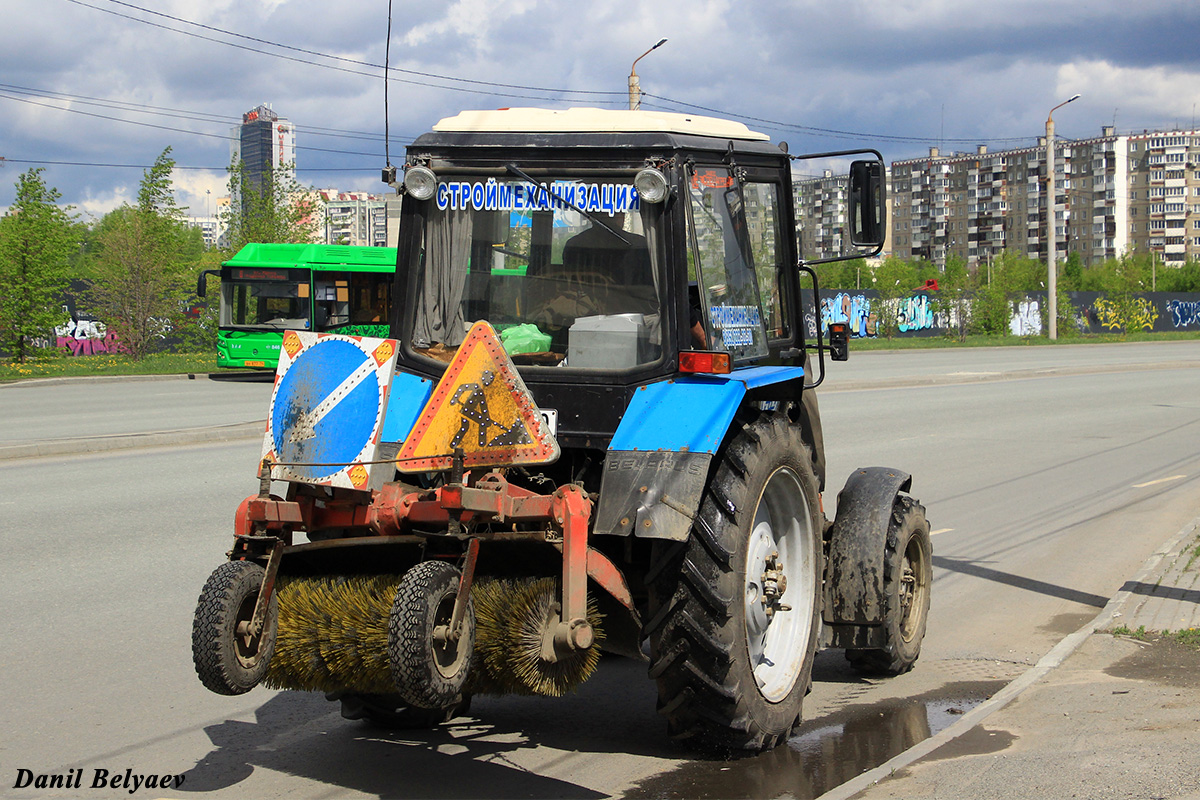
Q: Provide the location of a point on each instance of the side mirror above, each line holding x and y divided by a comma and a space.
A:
839, 341
202, 284
868, 204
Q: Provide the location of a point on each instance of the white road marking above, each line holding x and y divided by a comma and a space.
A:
940, 530
1160, 480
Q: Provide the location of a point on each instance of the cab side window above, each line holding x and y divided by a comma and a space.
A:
763, 222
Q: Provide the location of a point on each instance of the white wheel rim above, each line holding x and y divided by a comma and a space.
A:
780, 542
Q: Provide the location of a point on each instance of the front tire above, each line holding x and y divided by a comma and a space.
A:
229, 663
734, 616
429, 673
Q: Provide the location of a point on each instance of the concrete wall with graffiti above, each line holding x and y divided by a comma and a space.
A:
921, 315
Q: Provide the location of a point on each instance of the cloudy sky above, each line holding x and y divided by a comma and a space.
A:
93, 90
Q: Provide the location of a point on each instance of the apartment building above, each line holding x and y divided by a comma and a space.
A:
1115, 194
355, 218
821, 215
821, 212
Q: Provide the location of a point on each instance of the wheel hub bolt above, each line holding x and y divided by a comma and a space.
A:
774, 584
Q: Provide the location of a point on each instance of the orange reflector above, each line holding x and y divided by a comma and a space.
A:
705, 361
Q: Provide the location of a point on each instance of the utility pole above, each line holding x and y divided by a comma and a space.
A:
635, 87
1051, 242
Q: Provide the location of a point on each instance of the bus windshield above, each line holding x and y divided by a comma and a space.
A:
262, 299
565, 270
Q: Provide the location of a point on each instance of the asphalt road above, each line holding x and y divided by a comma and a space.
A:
1045, 493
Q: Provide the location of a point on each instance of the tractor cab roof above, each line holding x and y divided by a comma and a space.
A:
592, 127
594, 120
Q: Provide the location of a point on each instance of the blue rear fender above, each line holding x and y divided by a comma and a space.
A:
657, 464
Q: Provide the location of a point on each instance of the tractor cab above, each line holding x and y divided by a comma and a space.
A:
608, 249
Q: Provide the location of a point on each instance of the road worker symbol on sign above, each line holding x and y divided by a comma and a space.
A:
480, 406
472, 399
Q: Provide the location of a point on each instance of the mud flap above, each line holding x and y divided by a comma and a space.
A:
857, 542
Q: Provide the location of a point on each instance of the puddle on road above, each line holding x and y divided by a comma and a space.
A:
825, 752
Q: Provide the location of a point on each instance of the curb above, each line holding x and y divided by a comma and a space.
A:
956, 378
230, 377
130, 441
1057, 655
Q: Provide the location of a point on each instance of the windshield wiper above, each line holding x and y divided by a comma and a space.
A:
595, 219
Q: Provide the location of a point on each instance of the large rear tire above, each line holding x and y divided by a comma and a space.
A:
227, 662
734, 616
907, 579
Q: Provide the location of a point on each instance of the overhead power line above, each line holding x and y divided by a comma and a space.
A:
830, 132
195, 116
615, 98
342, 59
224, 137
50, 162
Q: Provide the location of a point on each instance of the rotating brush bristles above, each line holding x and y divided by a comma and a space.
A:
333, 637
333, 634
492, 600
512, 618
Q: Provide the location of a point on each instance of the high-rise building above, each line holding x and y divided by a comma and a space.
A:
355, 218
822, 211
1115, 195
264, 139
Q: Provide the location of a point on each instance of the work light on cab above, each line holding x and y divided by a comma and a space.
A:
420, 182
651, 185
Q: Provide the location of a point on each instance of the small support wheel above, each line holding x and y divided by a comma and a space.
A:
429, 668
228, 660
907, 578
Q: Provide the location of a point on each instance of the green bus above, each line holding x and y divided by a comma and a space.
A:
267, 289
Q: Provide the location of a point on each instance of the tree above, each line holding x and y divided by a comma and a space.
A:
36, 243
954, 296
146, 261
894, 279
1123, 282
276, 209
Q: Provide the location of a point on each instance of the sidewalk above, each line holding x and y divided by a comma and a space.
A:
73, 416
1100, 716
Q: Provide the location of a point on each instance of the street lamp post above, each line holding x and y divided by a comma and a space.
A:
1051, 242
635, 87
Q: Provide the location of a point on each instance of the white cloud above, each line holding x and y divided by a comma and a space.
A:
1157, 94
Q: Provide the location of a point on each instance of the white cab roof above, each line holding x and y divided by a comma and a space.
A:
593, 120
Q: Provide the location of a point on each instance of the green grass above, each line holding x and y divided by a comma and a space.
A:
1188, 636
1140, 634
58, 365
995, 340
1195, 554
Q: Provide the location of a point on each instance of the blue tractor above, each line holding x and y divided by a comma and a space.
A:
593, 427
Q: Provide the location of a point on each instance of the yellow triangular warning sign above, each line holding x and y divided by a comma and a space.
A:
480, 405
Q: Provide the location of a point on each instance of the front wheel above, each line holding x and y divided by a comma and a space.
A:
734, 615
907, 578
227, 660
428, 667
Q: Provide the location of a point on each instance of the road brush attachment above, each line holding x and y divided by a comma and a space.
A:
515, 651
333, 637
333, 634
